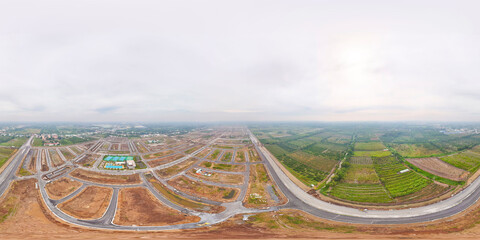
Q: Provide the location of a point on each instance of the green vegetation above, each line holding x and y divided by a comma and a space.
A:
5, 154
14, 142
369, 146
227, 157
469, 160
24, 172
372, 193
214, 155
372, 154
37, 142
74, 140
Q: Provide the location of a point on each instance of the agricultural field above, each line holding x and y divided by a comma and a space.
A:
377, 154
361, 174
468, 160
367, 193
5, 154
369, 146
440, 168
398, 183
14, 142
416, 150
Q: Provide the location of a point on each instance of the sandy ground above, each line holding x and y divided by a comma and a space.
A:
61, 188
90, 203
105, 178
137, 206
211, 192
31, 221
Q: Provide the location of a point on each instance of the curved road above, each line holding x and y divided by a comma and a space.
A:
298, 199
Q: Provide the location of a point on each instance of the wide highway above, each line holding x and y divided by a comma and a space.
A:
8, 174
299, 199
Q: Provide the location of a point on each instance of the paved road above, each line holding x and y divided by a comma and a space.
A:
8, 173
303, 201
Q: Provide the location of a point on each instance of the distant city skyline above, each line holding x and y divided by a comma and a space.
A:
166, 61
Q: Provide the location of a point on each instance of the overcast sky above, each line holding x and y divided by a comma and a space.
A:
239, 60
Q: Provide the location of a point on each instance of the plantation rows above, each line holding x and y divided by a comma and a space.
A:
374, 193
398, 184
468, 161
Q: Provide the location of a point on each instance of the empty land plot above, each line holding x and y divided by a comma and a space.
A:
138, 206
225, 146
181, 201
105, 178
253, 155
224, 167
61, 188
227, 156
67, 154
165, 160
378, 154
368, 193
468, 160
258, 194
158, 154
226, 178
240, 156
203, 153
194, 188
44, 160
193, 149
124, 147
440, 168
361, 160
115, 147
5, 154
141, 147
369, 146
91, 203
215, 154
32, 167
361, 174
56, 159
175, 169
317, 162
398, 184
415, 150
76, 149
88, 159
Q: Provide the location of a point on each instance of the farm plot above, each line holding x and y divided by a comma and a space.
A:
468, 160
138, 206
416, 150
262, 192
67, 154
165, 160
361, 160
104, 178
396, 182
227, 156
181, 201
371, 193
56, 159
378, 154
224, 167
215, 154
226, 178
194, 188
440, 168
158, 154
61, 188
369, 146
240, 156
5, 154
430, 191
316, 162
361, 174
175, 169
91, 203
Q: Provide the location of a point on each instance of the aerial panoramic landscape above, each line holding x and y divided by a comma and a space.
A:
239, 119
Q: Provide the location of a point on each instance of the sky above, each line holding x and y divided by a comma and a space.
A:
157, 61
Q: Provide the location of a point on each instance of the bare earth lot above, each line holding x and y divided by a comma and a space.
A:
211, 192
165, 160
105, 178
91, 203
61, 188
440, 168
137, 206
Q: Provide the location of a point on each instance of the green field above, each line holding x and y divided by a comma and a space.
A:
361, 174
14, 142
369, 146
398, 184
371, 193
5, 154
372, 153
469, 160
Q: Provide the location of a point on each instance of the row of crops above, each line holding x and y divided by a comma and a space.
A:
397, 183
372, 193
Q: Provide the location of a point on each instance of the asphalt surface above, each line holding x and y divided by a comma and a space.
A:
8, 174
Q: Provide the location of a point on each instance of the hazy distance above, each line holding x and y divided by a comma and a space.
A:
239, 60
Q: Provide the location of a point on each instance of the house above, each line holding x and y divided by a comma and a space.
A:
131, 164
